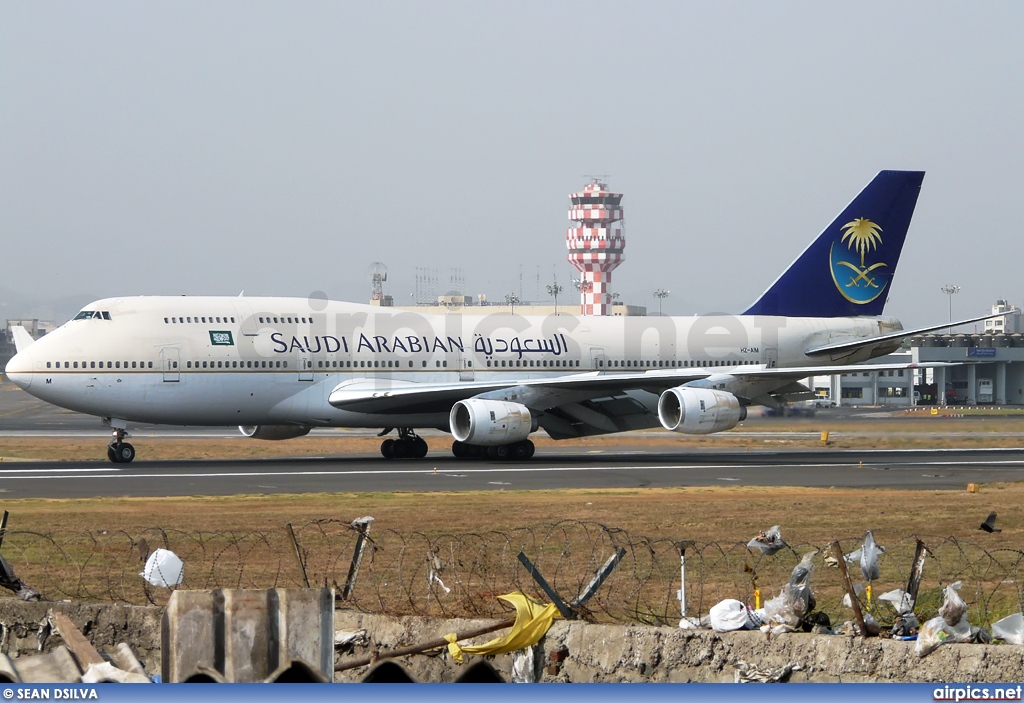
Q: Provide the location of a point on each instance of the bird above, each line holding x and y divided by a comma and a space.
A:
990, 524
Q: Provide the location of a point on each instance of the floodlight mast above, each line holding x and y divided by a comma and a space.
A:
950, 290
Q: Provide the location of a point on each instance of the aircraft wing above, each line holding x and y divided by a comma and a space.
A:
890, 342
381, 396
403, 397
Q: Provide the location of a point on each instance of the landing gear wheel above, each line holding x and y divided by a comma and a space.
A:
419, 448
111, 454
521, 451
499, 452
387, 449
460, 450
124, 452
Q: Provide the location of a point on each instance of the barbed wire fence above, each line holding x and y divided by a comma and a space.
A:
460, 575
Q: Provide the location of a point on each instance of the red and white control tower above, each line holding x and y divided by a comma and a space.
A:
596, 243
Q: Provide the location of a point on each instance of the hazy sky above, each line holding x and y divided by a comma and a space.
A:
280, 148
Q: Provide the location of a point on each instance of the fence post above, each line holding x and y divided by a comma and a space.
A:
567, 612
837, 552
361, 525
599, 577
682, 546
916, 572
298, 555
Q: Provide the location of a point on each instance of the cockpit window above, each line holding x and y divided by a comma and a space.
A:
92, 315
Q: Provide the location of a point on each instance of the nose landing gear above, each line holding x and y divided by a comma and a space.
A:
119, 451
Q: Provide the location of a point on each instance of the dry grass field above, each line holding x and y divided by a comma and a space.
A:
706, 514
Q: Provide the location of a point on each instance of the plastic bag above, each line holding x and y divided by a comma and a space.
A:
731, 614
899, 600
688, 623
858, 590
784, 612
769, 542
163, 568
953, 608
905, 625
869, 558
1010, 629
933, 633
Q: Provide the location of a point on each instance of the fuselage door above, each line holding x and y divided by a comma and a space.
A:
597, 359
466, 371
770, 357
305, 366
169, 357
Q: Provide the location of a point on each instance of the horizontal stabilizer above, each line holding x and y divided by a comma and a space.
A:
22, 339
893, 339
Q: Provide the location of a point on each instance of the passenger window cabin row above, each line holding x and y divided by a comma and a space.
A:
516, 363
189, 319
100, 364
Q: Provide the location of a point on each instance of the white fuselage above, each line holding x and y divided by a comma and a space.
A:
265, 361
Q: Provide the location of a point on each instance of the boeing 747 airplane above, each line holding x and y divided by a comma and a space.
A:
278, 367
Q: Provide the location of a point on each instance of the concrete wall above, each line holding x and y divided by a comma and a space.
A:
571, 651
609, 653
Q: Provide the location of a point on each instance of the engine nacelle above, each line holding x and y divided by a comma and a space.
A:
274, 432
699, 410
490, 423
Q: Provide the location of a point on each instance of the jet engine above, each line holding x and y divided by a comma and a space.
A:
274, 432
699, 410
490, 423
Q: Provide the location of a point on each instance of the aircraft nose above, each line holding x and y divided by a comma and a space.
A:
19, 369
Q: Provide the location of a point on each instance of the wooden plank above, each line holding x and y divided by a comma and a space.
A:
82, 648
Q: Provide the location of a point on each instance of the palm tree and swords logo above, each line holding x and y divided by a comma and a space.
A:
859, 283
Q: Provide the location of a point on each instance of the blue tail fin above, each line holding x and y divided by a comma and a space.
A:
847, 270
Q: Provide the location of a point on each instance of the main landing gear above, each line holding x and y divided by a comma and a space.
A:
517, 451
407, 446
119, 451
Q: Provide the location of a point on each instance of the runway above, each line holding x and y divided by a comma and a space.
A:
551, 469
625, 466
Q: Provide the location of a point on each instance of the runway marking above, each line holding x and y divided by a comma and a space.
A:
464, 473
5, 471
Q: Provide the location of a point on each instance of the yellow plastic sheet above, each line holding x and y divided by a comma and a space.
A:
533, 620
